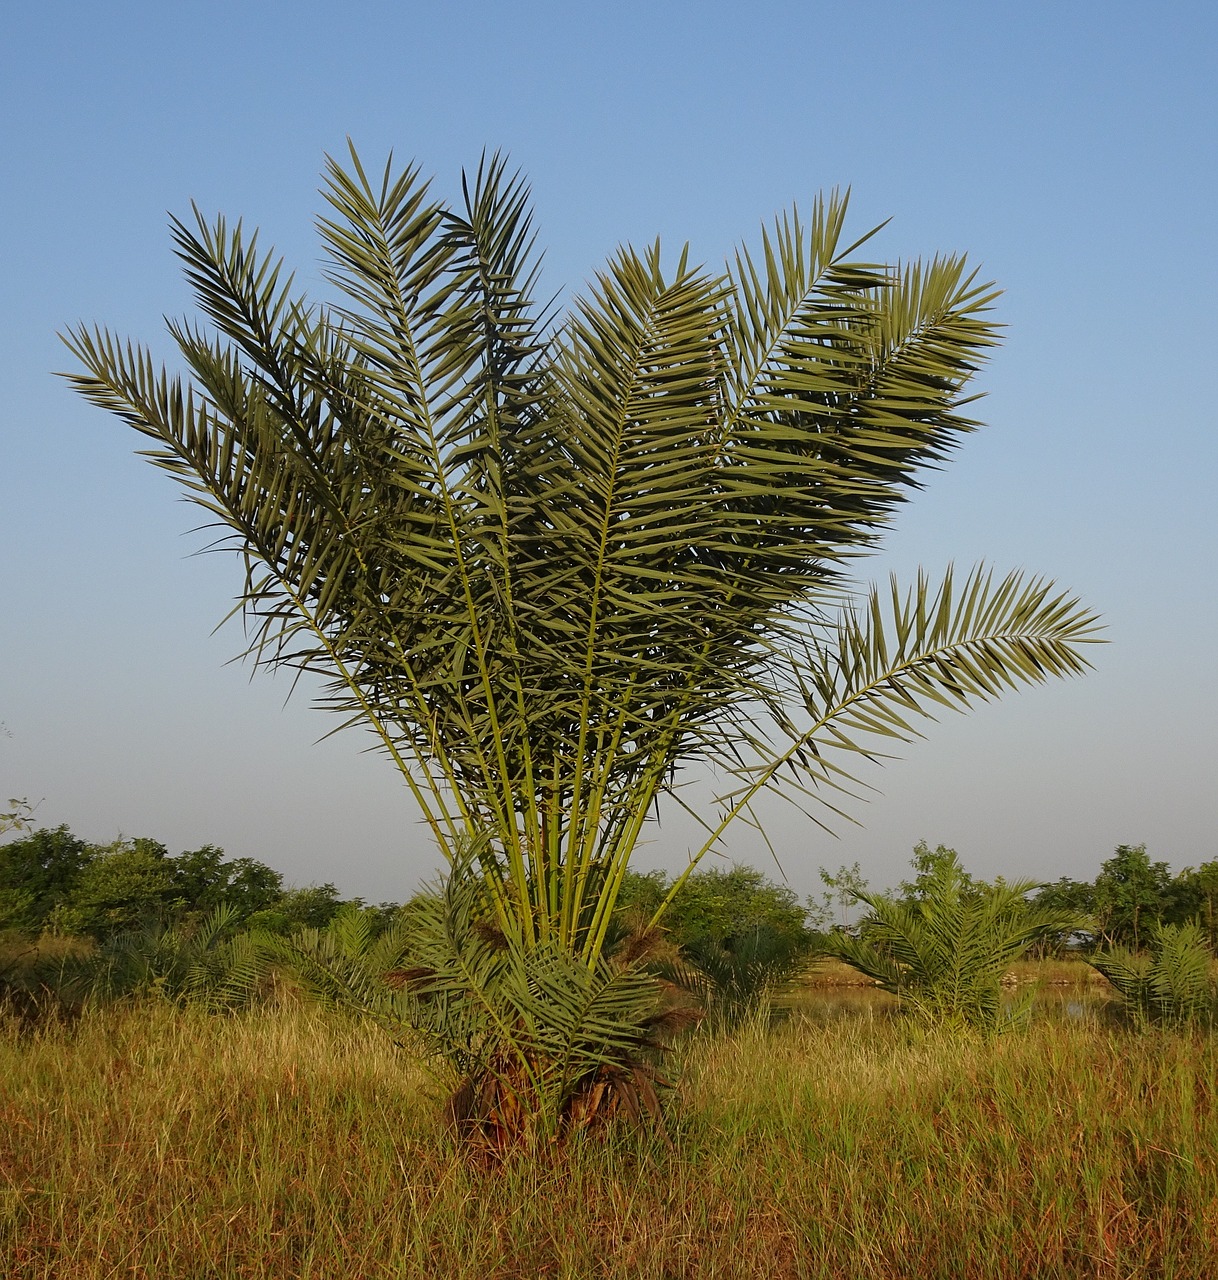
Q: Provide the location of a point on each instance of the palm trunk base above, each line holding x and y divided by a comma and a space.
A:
497, 1112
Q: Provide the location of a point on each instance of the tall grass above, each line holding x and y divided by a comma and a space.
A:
153, 1142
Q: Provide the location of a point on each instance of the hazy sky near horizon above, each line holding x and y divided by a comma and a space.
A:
1068, 148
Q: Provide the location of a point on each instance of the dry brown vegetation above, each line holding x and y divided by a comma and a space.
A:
152, 1142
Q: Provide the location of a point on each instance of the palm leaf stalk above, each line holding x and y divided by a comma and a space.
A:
551, 561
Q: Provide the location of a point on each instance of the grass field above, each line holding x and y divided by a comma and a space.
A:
151, 1142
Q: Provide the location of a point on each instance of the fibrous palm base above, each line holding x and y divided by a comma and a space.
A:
496, 1112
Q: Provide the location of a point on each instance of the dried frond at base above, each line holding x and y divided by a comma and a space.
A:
496, 1114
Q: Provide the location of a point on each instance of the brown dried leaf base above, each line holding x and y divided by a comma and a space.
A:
499, 1114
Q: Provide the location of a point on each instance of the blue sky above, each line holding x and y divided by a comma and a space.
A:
1068, 148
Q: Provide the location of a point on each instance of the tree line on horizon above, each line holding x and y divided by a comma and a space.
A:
54, 882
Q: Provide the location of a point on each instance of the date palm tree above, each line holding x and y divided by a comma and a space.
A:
945, 952
550, 561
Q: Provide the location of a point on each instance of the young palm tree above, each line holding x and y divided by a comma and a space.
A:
550, 563
1170, 982
945, 952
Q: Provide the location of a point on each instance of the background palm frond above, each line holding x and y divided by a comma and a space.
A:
1171, 982
944, 953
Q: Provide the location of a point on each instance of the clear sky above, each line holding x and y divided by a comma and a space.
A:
1069, 148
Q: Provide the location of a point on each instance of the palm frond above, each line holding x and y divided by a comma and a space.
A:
1169, 983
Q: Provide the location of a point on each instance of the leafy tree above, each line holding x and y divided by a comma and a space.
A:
549, 563
310, 907
843, 888
743, 935
122, 887
17, 909
928, 865
1075, 899
199, 877
1205, 878
38, 873
641, 894
1193, 896
1131, 893
203, 879
133, 884
381, 916
55, 880
720, 908
1074, 895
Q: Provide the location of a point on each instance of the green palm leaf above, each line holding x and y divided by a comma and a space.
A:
1168, 983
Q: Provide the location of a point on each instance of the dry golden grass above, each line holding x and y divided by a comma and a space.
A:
826, 971
156, 1143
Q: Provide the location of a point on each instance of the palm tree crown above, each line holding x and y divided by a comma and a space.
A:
549, 561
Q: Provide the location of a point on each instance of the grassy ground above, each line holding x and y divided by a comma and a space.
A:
153, 1143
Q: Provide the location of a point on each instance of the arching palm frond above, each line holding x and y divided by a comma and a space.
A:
892, 663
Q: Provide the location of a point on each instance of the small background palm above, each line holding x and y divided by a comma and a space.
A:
209, 962
347, 963
1170, 982
737, 976
944, 952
